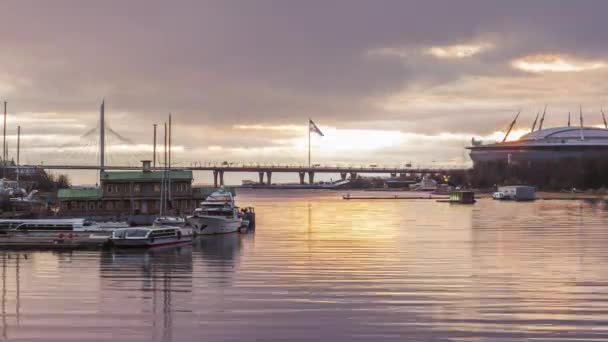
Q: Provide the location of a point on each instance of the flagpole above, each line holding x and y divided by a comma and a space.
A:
309, 142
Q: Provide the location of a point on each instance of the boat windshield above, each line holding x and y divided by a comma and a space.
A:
130, 233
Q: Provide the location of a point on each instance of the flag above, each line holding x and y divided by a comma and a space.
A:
313, 128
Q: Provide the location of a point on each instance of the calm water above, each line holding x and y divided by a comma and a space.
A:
321, 268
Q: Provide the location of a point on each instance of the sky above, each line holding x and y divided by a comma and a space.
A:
388, 82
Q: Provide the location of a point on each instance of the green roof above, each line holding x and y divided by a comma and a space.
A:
141, 176
90, 193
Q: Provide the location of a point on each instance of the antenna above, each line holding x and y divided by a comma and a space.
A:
542, 119
604, 118
534, 124
511, 127
568, 119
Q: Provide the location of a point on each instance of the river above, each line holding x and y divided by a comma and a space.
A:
321, 268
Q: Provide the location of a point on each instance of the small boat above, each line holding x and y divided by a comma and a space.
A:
150, 236
216, 215
172, 221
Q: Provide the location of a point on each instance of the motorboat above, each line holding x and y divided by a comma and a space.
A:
150, 236
216, 215
172, 221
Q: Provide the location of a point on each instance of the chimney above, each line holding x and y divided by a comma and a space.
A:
145, 164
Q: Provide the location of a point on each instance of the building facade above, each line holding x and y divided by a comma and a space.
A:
127, 193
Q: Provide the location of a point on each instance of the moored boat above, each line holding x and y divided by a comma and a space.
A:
33, 233
150, 236
216, 215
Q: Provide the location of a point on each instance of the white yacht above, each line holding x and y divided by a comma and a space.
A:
216, 215
150, 236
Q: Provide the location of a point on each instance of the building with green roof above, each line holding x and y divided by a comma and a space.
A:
132, 193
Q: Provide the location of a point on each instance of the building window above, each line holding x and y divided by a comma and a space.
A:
156, 187
109, 188
91, 205
137, 188
109, 205
135, 205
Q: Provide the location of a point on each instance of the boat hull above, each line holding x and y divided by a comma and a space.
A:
209, 225
147, 243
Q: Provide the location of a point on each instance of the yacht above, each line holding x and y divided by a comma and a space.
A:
150, 236
216, 215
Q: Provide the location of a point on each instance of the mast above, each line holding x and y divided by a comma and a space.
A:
154, 148
542, 119
581, 119
169, 140
309, 120
102, 137
163, 187
568, 119
169, 172
4, 144
18, 151
511, 127
604, 118
535, 120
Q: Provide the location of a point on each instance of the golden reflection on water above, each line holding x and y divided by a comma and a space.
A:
322, 268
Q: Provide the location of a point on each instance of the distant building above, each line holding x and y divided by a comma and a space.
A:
132, 193
551, 144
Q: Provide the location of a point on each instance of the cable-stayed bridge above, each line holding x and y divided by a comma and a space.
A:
97, 148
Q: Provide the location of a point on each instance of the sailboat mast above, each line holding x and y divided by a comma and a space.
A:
604, 118
18, 152
154, 149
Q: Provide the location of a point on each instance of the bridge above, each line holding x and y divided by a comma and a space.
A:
100, 134
267, 170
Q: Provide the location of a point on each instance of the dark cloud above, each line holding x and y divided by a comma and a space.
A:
216, 64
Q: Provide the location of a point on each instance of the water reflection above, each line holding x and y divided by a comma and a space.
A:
163, 273
320, 268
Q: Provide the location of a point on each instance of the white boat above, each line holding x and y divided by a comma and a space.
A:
56, 231
150, 236
172, 221
216, 215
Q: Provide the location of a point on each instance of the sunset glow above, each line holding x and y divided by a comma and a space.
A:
555, 63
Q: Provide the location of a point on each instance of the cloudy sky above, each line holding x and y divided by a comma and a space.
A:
387, 81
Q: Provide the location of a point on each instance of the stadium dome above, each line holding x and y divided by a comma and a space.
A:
569, 133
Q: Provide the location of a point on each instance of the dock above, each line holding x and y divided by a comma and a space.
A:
395, 197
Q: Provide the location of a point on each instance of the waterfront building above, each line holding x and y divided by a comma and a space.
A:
128, 193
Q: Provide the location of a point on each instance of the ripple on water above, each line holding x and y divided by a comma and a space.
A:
318, 267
